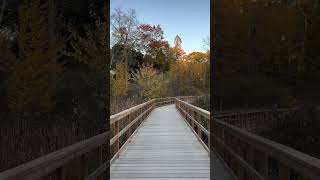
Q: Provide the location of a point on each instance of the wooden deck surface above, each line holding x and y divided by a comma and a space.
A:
165, 148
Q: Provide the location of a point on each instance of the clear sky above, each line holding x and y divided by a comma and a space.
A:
190, 19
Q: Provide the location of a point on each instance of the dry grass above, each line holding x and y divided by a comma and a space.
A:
24, 138
118, 104
203, 102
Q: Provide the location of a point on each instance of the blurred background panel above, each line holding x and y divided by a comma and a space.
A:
54, 79
266, 59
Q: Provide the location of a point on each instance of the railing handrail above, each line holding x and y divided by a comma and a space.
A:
125, 112
44, 165
112, 140
114, 118
297, 160
204, 112
192, 121
134, 119
255, 111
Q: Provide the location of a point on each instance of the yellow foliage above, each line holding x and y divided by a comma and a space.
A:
188, 74
119, 82
151, 84
177, 53
7, 56
29, 87
196, 56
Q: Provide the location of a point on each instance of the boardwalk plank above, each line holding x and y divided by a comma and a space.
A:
165, 148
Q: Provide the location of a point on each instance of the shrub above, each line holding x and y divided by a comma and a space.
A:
119, 82
149, 82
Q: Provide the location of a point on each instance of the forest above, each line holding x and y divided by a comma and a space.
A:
53, 69
144, 65
56, 62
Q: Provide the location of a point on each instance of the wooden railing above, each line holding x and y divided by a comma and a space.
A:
124, 124
258, 120
85, 159
88, 159
253, 157
250, 156
246, 155
198, 120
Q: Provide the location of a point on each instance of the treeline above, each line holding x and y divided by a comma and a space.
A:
267, 52
144, 65
267, 55
53, 76
43, 47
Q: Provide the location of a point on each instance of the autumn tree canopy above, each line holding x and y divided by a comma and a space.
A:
163, 60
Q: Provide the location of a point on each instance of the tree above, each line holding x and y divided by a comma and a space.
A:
2, 10
198, 63
29, 83
7, 61
249, 45
91, 51
8, 14
161, 54
206, 43
152, 43
119, 81
135, 60
175, 53
149, 82
196, 56
123, 26
149, 37
309, 10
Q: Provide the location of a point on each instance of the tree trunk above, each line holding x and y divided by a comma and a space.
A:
308, 103
112, 56
51, 38
126, 65
2, 11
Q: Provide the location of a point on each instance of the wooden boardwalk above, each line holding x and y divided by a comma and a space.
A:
165, 148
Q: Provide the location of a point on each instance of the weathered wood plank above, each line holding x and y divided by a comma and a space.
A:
164, 147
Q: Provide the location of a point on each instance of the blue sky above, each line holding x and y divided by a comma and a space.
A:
190, 19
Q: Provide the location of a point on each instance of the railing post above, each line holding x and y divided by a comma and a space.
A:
209, 129
240, 172
250, 154
241, 154
198, 118
61, 173
100, 151
84, 165
191, 113
284, 171
130, 128
117, 142
222, 135
264, 167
